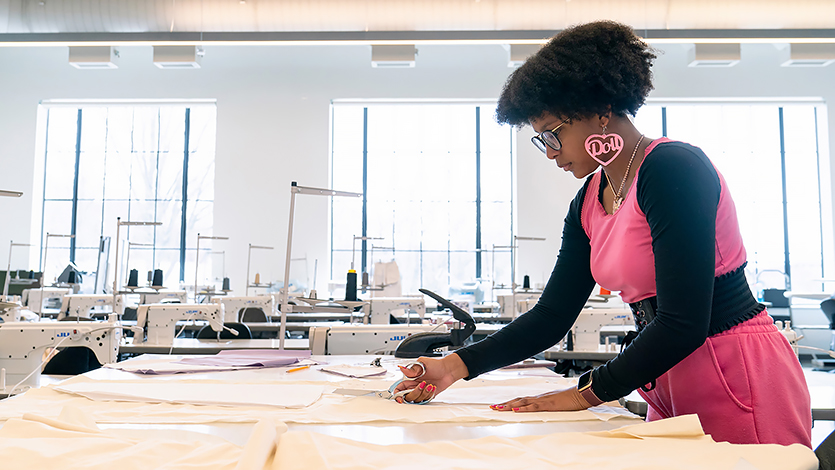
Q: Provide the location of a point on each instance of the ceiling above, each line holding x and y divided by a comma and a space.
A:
392, 21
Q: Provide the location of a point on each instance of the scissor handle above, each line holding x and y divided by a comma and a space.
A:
415, 363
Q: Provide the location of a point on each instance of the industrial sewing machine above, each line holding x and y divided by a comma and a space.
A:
234, 306
379, 309
22, 345
162, 296
364, 339
594, 325
82, 305
37, 300
155, 324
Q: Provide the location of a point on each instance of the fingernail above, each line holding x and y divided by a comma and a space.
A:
501, 407
422, 384
431, 388
515, 409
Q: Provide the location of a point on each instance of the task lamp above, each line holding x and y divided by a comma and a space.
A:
9, 267
45, 251
285, 292
248, 258
197, 258
513, 284
119, 224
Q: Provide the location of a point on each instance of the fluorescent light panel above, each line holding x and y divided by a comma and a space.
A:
715, 55
93, 57
393, 56
810, 55
176, 57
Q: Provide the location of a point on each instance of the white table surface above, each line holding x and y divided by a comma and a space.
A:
383, 433
211, 346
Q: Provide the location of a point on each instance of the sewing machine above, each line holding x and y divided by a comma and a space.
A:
82, 305
163, 296
155, 324
379, 309
364, 339
234, 306
10, 311
37, 300
22, 345
594, 325
525, 300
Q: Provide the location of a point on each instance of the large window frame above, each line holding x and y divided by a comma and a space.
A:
162, 203
482, 250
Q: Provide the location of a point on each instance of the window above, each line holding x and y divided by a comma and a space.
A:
438, 190
770, 156
148, 163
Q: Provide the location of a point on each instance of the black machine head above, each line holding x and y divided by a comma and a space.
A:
425, 344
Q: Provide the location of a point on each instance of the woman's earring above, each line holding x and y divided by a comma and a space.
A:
602, 144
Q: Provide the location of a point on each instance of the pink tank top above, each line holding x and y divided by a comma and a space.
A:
621, 244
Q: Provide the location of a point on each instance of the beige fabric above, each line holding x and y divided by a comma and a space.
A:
72, 441
677, 443
281, 395
47, 401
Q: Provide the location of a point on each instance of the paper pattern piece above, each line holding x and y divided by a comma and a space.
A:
676, 443
198, 393
249, 358
354, 371
164, 365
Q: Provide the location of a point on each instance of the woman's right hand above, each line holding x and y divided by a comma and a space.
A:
440, 374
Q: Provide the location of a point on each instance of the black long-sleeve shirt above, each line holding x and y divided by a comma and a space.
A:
678, 189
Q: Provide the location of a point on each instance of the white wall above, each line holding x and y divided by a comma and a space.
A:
273, 117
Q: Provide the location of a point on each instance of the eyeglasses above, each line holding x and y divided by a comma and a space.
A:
548, 138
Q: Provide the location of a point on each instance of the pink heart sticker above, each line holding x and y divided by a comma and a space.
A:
598, 144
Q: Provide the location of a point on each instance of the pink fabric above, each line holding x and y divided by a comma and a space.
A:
745, 384
627, 227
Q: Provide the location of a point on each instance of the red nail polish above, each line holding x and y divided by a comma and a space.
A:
515, 409
422, 384
431, 388
501, 407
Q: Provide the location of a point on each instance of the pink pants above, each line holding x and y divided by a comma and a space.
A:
745, 384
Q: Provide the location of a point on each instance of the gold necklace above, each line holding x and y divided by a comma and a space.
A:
618, 197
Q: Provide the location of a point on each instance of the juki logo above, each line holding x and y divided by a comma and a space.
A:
397, 338
64, 334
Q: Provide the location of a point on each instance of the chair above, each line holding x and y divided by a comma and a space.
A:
208, 333
826, 453
253, 315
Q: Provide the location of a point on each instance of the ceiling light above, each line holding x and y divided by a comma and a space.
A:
93, 57
393, 56
810, 55
177, 57
715, 55
519, 53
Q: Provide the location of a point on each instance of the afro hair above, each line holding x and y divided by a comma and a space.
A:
584, 70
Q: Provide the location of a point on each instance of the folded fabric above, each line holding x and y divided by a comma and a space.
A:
676, 443
198, 393
74, 442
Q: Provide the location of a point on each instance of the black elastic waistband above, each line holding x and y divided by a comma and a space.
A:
733, 303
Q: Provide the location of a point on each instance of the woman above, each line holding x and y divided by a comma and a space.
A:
657, 224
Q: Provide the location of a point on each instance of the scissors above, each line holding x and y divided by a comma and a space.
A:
390, 394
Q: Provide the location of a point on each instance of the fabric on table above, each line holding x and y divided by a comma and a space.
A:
73, 441
249, 358
676, 443
354, 371
167, 365
329, 409
198, 393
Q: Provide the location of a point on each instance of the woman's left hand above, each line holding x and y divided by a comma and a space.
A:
561, 400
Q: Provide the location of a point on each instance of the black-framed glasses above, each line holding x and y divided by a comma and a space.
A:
549, 138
